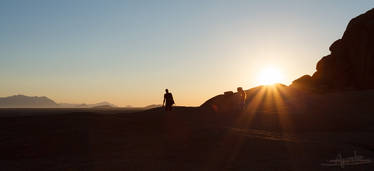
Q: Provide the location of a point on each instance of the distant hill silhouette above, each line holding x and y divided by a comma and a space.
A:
152, 106
103, 107
350, 66
129, 107
21, 101
70, 105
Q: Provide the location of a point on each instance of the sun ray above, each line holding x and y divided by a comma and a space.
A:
281, 109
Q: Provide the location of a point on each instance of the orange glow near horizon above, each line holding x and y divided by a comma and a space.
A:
270, 75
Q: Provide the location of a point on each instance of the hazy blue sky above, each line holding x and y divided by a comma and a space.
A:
128, 52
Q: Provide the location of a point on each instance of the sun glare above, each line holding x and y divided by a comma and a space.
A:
270, 76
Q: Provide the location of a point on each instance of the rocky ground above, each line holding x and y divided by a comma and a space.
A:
184, 139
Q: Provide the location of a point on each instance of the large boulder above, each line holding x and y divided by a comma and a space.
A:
304, 82
351, 62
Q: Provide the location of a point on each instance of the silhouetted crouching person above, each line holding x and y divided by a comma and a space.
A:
168, 100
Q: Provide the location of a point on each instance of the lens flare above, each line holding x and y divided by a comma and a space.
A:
270, 76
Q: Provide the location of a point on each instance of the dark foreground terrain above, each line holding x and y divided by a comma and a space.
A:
187, 138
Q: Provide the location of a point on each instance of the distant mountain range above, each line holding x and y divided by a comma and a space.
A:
83, 105
22, 101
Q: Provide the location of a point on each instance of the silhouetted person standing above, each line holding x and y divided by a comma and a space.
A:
168, 100
242, 97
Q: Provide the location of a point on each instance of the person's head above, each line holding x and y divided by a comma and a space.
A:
166, 90
239, 89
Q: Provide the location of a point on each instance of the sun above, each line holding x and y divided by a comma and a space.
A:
270, 75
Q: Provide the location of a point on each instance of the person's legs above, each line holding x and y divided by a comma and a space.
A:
241, 106
168, 107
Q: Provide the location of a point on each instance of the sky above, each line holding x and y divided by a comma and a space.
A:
128, 52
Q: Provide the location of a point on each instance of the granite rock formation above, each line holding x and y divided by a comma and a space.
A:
351, 62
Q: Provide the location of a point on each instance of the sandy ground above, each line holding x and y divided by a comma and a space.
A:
184, 139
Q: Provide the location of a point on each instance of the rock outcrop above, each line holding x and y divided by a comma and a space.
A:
261, 98
351, 62
350, 66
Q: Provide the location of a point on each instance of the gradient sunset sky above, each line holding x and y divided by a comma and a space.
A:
128, 52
